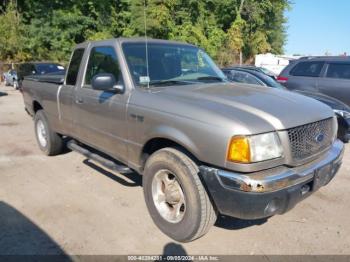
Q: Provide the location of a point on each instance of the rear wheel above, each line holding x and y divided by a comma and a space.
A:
175, 197
49, 142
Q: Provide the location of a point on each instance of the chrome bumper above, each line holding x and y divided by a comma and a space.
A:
282, 177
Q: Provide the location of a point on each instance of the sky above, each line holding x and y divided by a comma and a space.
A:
318, 26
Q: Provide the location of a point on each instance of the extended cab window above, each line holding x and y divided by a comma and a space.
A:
74, 65
103, 59
339, 71
310, 69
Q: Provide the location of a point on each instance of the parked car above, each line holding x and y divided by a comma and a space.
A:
204, 146
255, 68
341, 110
38, 68
326, 75
10, 78
56, 78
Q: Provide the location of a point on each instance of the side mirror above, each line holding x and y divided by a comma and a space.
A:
106, 82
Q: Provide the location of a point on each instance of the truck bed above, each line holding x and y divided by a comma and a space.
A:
42, 89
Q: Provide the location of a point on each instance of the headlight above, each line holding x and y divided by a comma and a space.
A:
256, 148
342, 113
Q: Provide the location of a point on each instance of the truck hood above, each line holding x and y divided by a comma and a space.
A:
254, 108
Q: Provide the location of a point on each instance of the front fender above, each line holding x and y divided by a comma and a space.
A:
175, 135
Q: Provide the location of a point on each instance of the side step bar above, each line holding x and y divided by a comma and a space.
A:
72, 145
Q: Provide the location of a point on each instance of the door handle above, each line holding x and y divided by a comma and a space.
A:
79, 101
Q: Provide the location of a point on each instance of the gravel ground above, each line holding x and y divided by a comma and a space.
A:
66, 204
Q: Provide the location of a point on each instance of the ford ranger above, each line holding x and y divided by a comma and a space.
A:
204, 146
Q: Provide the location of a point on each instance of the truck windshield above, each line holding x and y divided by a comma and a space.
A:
170, 64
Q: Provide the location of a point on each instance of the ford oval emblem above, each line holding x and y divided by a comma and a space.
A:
319, 138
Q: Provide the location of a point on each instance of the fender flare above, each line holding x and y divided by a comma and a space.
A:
175, 135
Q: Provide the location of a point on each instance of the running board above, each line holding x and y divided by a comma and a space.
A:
72, 145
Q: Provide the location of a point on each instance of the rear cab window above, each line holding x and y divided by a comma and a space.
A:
338, 70
74, 65
308, 69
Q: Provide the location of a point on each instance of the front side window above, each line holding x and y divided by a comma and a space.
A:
169, 64
339, 71
103, 59
74, 65
310, 69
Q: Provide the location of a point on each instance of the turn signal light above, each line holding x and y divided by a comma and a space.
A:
239, 150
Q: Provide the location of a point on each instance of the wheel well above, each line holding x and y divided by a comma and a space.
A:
36, 106
156, 144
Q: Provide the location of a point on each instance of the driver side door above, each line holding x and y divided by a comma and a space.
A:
101, 114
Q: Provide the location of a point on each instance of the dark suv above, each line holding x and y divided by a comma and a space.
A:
327, 75
38, 68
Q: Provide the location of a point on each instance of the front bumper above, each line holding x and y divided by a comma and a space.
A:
269, 192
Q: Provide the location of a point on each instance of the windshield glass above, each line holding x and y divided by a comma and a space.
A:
269, 81
266, 71
170, 64
12, 72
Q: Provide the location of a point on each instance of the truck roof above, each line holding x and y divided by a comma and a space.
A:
121, 40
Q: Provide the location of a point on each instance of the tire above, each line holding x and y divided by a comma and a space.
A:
15, 85
196, 215
342, 132
49, 142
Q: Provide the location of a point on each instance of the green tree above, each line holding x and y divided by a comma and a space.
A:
11, 30
227, 29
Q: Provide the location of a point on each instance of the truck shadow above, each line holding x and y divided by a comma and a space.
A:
134, 177
174, 249
20, 236
232, 223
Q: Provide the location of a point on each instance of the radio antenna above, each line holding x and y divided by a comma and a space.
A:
146, 41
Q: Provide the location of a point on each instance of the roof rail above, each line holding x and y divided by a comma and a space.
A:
324, 57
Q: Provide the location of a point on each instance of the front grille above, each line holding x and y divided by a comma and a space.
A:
310, 139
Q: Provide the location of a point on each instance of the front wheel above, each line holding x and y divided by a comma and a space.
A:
175, 197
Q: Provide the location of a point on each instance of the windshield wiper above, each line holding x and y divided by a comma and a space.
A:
169, 82
211, 78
